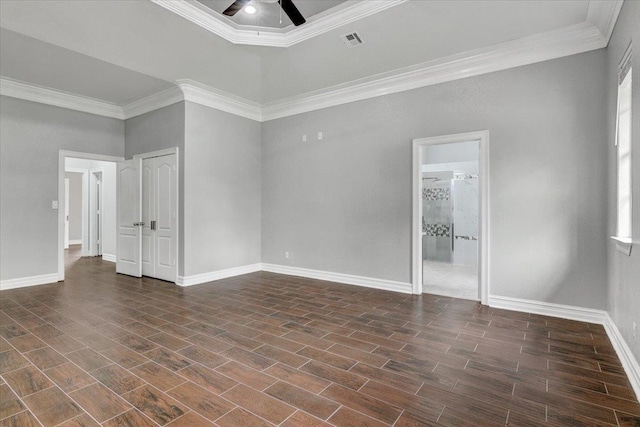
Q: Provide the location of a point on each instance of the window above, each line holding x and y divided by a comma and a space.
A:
623, 143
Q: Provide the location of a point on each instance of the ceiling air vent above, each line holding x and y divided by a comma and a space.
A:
351, 40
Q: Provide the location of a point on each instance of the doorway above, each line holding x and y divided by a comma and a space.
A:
451, 215
97, 201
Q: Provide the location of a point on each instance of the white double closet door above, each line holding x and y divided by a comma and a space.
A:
147, 220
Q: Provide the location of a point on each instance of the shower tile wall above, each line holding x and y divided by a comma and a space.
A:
465, 217
437, 216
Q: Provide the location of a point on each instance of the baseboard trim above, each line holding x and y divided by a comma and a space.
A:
197, 279
629, 362
348, 279
23, 282
75, 242
590, 315
569, 312
109, 257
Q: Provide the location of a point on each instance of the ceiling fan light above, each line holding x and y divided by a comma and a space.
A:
250, 10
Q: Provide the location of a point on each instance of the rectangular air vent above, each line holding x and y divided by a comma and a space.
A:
351, 40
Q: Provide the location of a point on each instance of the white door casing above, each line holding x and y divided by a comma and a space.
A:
129, 214
66, 213
148, 214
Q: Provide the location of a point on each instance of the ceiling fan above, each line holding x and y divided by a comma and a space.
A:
287, 6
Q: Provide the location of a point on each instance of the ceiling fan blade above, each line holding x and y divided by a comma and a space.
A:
235, 7
292, 12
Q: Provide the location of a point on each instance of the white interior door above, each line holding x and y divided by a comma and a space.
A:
129, 213
66, 213
164, 225
148, 215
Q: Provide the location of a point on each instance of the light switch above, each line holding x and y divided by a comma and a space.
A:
54, 204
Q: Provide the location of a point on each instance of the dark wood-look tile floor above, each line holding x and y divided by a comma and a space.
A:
266, 349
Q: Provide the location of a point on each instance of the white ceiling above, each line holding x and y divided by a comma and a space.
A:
268, 14
147, 45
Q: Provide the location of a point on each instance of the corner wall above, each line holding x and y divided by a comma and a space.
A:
343, 204
31, 136
623, 290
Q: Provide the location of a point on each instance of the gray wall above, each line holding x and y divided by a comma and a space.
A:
222, 190
157, 130
624, 272
343, 204
75, 205
31, 135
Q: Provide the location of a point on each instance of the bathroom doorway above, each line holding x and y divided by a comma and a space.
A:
451, 216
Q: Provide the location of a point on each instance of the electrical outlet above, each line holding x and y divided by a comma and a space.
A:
286, 254
320, 136
54, 204
635, 331
304, 138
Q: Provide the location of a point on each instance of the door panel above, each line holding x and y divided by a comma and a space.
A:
129, 212
148, 214
165, 216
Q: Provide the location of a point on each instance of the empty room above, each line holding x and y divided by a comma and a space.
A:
319, 213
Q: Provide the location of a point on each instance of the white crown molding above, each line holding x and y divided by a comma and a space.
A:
23, 282
204, 95
603, 14
600, 317
566, 41
528, 50
43, 95
349, 279
197, 279
152, 102
220, 25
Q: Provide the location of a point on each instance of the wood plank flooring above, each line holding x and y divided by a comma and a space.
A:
265, 349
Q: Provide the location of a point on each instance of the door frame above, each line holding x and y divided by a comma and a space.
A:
165, 152
483, 209
84, 194
95, 193
62, 156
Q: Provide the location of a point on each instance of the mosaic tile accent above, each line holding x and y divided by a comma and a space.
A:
436, 193
437, 230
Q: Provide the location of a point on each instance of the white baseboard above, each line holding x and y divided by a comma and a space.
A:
349, 279
197, 279
75, 242
109, 257
590, 315
23, 282
629, 362
570, 312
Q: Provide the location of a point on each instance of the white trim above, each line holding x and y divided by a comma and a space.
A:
84, 196
570, 312
483, 209
316, 25
152, 102
22, 282
527, 50
590, 315
44, 95
349, 279
210, 97
157, 153
623, 244
75, 242
62, 155
628, 360
566, 41
603, 14
197, 279
109, 257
